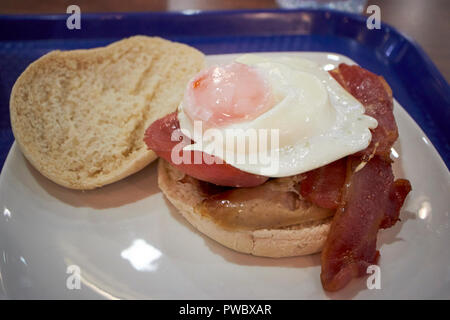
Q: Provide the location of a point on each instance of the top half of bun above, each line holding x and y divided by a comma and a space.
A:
79, 116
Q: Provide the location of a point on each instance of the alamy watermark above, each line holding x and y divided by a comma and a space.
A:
374, 280
74, 20
259, 147
374, 20
73, 281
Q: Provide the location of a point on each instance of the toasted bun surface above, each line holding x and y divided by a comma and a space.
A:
297, 240
79, 116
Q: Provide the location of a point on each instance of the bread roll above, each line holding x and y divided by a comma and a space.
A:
79, 116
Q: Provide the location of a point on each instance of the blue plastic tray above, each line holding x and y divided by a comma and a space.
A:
416, 83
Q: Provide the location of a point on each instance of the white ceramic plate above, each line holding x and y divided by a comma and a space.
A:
129, 242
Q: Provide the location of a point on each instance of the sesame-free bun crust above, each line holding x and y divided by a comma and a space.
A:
79, 116
296, 240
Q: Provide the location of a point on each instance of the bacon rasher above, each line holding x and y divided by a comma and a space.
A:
370, 199
376, 96
323, 185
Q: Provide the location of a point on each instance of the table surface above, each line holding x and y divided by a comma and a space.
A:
426, 21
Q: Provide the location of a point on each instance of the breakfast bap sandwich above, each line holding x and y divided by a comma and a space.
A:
276, 157
269, 156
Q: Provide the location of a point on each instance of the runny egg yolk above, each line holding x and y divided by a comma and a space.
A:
222, 95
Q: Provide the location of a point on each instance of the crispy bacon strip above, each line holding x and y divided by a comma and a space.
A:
323, 186
397, 196
376, 96
371, 199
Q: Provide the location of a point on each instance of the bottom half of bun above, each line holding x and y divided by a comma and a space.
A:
296, 240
